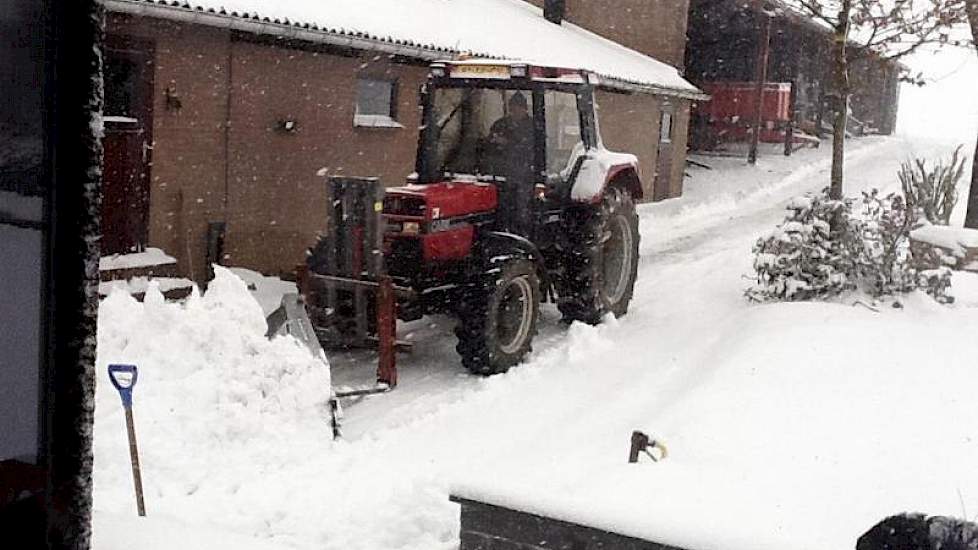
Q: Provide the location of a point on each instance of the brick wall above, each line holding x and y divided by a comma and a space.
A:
268, 191
187, 174
656, 28
630, 124
276, 199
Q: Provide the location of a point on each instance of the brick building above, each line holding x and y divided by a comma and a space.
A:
723, 46
219, 115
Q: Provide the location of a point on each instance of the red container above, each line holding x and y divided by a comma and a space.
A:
733, 102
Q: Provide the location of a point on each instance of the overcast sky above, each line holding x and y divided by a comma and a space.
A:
947, 106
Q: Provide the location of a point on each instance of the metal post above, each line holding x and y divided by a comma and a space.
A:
640, 442
764, 51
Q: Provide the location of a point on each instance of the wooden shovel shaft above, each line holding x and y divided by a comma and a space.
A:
134, 456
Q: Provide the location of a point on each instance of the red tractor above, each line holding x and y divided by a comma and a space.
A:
514, 202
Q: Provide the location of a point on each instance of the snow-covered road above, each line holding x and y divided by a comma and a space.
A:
790, 425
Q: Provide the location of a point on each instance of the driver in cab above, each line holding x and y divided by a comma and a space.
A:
512, 138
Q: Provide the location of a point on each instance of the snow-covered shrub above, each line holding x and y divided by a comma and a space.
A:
826, 246
932, 191
884, 224
812, 254
937, 283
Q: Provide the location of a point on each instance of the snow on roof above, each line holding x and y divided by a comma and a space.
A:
432, 29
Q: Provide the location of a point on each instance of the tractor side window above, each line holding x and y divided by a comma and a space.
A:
564, 139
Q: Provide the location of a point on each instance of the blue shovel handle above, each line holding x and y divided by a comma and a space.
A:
125, 392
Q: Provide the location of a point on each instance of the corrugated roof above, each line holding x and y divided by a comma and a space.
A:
431, 29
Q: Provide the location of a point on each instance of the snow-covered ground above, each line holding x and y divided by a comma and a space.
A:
788, 425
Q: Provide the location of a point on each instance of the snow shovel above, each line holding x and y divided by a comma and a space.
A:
123, 377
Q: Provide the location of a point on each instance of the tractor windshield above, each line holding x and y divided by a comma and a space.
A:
481, 132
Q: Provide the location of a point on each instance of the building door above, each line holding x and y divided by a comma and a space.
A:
128, 116
663, 163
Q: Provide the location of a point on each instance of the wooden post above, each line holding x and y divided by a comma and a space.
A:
137, 478
789, 130
764, 52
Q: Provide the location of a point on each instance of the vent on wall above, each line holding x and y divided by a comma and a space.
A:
553, 10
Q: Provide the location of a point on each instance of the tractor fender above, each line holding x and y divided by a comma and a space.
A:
599, 169
494, 245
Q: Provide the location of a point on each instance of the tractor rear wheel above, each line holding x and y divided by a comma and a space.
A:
497, 320
601, 262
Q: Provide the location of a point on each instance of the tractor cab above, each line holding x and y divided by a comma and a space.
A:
503, 145
512, 125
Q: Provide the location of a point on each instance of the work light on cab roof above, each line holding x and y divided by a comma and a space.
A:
505, 70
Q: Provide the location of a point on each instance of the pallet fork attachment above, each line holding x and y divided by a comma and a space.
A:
356, 301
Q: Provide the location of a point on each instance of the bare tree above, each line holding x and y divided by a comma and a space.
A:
971, 218
886, 30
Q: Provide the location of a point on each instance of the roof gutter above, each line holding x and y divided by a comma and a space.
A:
294, 31
259, 26
636, 87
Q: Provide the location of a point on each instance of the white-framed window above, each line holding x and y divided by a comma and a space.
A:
376, 103
665, 127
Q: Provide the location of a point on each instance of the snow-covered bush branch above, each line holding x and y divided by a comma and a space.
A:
933, 191
805, 257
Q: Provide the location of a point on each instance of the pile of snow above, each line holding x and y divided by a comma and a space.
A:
217, 405
268, 290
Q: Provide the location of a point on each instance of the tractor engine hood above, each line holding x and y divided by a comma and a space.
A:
439, 219
440, 201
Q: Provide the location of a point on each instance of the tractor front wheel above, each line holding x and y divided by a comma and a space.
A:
497, 320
